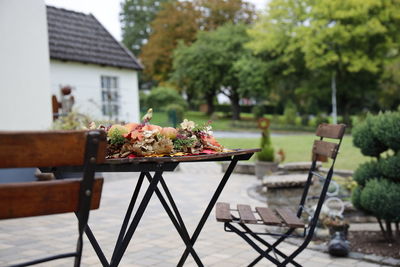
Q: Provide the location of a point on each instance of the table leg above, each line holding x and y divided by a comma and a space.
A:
176, 219
209, 208
136, 219
128, 213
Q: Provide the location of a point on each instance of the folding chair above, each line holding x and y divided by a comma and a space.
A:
44, 149
283, 218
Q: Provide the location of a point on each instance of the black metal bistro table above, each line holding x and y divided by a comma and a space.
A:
159, 165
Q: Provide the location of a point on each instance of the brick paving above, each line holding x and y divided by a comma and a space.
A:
156, 242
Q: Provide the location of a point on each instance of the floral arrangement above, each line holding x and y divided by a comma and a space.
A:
148, 140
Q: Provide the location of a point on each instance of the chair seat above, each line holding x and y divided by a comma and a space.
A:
283, 217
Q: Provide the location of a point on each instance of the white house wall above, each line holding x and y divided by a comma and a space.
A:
25, 99
85, 80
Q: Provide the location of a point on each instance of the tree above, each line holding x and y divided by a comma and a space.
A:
188, 18
389, 97
218, 12
219, 62
135, 18
176, 21
347, 40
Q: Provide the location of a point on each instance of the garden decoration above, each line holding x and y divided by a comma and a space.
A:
378, 190
338, 228
267, 161
332, 218
147, 140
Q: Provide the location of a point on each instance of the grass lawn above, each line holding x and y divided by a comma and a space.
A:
298, 148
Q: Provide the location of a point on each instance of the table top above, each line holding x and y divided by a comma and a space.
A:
187, 158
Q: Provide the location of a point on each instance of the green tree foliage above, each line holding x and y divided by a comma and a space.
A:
161, 97
180, 21
212, 64
135, 17
348, 39
389, 97
378, 191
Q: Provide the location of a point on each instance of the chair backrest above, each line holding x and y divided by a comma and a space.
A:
55, 149
46, 148
325, 149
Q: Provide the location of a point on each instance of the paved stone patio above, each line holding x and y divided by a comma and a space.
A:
156, 242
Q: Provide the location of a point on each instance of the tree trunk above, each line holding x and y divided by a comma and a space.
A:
382, 229
210, 103
334, 107
389, 231
234, 97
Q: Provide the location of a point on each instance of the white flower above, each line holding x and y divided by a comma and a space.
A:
187, 125
148, 134
208, 129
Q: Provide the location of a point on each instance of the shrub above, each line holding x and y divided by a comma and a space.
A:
378, 192
161, 97
382, 198
175, 113
258, 111
267, 152
290, 113
356, 197
364, 138
319, 119
367, 171
390, 167
305, 120
387, 129
72, 121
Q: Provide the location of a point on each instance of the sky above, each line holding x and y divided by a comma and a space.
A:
107, 11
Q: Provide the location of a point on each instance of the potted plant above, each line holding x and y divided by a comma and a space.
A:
336, 223
266, 162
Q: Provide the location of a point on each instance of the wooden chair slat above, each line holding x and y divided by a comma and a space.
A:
335, 131
44, 198
246, 214
324, 148
268, 216
45, 148
222, 212
290, 218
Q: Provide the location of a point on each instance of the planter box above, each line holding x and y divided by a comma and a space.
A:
241, 167
263, 168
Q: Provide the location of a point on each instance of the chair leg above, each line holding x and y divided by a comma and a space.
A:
268, 245
79, 247
297, 251
251, 243
275, 244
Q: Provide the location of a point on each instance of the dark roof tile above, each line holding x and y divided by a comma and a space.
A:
80, 37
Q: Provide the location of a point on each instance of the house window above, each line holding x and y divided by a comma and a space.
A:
110, 97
